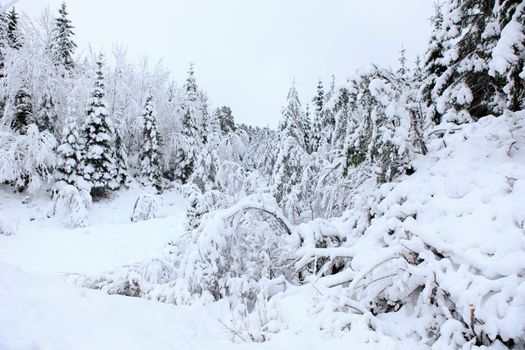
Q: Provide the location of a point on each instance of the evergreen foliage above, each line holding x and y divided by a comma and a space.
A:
63, 45
99, 168
149, 158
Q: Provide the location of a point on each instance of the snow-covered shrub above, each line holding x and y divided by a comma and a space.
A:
6, 229
231, 179
456, 275
235, 248
238, 252
151, 279
77, 201
146, 207
255, 326
27, 160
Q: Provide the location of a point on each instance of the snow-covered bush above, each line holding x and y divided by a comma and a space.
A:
76, 201
258, 325
234, 248
146, 207
238, 252
6, 229
449, 274
26, 161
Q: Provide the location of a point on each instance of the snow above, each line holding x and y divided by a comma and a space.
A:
503, 55
41, 310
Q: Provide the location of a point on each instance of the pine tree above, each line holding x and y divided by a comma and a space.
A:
187, 152
190, 138
318, 102
293, 120
121, 157
402, 71
149, 158
3, 43
508, 57
23, 111
190, 86
62, 44
99, 169
328, 119
46, 116
434, 66
342, 116
70, 153
465, 90
204, 128
13, 35
226, 120
291, 156
206, 168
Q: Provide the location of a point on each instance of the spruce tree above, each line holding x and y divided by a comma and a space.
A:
70, 153
149, 157
190, 86
46, 117
121, 157
62, 44
204, 128
508, 57
318, 102
328, 119
465, 90
434, 66
3, 44
13, 35
226, 120
402, 71
342, 116
293, 120
187, 152
23, 110
291, 156
99, 168
190, 137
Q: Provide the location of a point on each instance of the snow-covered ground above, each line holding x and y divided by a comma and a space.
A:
40, 310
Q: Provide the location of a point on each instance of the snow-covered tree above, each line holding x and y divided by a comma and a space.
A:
317, 131
466, 90
23, 110
291, 156
226, 119
293, 119
434, 65
121, 157
206, 168
62, 43
70, 153
190, 137
45, 117
13, 35
507, 63
149, 158
99, 168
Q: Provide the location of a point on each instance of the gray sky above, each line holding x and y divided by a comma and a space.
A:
247, 52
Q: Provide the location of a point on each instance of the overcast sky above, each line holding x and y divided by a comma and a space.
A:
247, 53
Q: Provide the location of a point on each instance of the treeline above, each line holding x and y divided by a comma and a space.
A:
140, 124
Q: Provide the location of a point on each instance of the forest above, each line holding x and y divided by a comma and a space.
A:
389, 206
